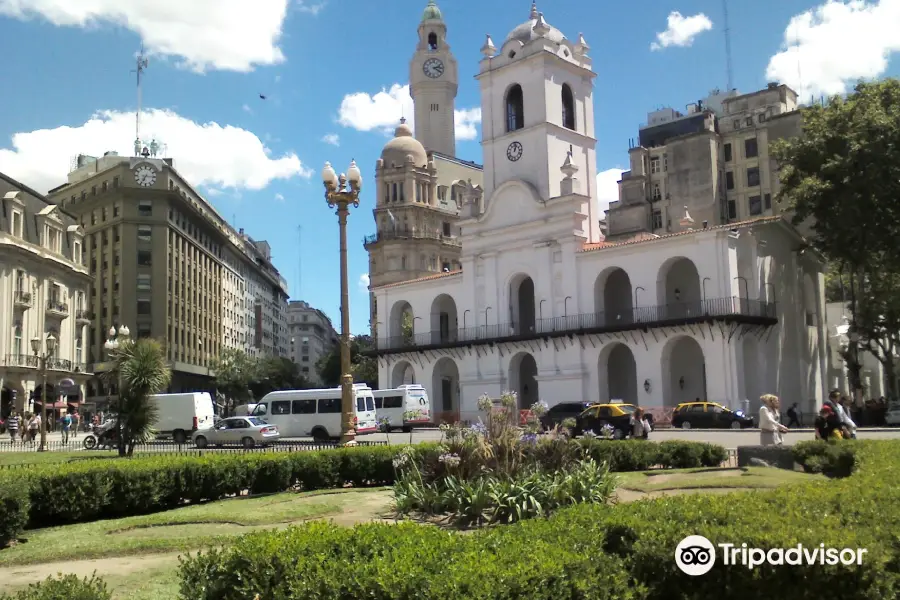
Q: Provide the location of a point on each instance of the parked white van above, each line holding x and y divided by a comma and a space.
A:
406, 406
316, 413
181, 414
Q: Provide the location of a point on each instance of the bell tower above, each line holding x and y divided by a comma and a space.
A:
433, 82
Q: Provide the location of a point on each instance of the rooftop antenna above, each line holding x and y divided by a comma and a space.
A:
141, 64
299, 288
728, 63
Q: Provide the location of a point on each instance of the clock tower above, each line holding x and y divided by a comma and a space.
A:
433, 81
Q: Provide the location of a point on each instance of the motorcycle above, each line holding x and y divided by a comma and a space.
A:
102, 436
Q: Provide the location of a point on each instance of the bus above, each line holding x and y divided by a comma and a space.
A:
316, 413
406, 406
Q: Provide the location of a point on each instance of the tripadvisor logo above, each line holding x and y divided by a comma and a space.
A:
695, 555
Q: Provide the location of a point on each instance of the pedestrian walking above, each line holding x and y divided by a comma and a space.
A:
66, 423
12, 426
793, 416
770, 429
76, 423
34, 424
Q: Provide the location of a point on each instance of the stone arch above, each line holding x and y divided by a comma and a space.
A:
522, 304
402, 373
683, 371
568, 107
679, 291
432, 41
402, 326
444, 320
523, 379
12, 398
617, 371
514, 101
613, 298
445, 389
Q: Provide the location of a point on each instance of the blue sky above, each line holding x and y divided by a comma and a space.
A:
67, 88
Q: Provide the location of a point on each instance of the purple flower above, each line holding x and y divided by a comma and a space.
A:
529, 438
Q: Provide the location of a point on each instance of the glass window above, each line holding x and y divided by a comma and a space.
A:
145, 258
143, 307
393, 402
727, 152
360, 404
729, 180
145, 233
750, 148
303, 407
281, 407
145, 208
753, 176
370, 403
329, 405
143, 281
755, 205
257, 422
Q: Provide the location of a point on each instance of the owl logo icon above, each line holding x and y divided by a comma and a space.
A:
695, 555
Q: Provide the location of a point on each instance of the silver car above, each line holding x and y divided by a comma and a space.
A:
245, 431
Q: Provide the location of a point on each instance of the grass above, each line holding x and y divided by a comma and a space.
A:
35, 457
698, 479
176, 530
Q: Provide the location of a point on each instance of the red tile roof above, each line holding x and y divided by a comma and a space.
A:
418, 279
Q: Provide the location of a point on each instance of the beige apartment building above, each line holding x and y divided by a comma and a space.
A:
168, 266
43, 292
713, 159
312, 336
420, 183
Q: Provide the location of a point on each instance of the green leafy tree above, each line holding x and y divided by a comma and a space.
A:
276, 373
234, 374
141, 370
843, 176
407, 329
364, 367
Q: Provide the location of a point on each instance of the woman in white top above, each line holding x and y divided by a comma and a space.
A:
770, 429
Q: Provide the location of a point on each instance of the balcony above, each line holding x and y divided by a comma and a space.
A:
58, 309
28, 361
22, 299
410, 234
733, 310
84, 316
59, 364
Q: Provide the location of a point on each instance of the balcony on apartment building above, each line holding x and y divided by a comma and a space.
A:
733, 310
30, 361
22, 299
410, 234
84, 316
57, 308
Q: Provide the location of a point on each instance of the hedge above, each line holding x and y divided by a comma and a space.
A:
64, 587
588, 551
56, 494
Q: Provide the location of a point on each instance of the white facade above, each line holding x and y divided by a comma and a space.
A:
543, 307
43, 287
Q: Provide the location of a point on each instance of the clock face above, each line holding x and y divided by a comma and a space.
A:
433, 68
514, 152
145, 176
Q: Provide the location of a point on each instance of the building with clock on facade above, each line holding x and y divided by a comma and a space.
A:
169, 266
420, 181
541, 305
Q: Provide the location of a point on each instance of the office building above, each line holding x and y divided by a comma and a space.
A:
311, 336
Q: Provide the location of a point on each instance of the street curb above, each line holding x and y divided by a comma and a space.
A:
800, 430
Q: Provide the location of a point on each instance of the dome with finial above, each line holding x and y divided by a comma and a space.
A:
432, 12
404, 145
525, 32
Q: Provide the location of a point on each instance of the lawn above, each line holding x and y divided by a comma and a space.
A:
650, 482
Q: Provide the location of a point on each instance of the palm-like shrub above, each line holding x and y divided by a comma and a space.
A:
141, 370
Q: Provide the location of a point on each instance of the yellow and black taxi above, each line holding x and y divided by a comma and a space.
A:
616, 415
709, 415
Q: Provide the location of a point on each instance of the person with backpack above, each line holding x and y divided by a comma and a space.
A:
66, 423
793, 416
12, 426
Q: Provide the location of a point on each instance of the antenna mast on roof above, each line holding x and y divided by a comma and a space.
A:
141, 64
299, 262
728, 64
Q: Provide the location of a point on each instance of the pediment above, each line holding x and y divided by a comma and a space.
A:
51, 211
76, 229
15, 197
515, 202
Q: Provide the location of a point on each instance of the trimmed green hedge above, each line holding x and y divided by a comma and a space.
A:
831, 458
589, 551
59, 493
64, 587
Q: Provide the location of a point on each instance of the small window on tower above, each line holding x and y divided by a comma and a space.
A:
432, 41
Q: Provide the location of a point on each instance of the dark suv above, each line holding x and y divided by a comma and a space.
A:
558, 413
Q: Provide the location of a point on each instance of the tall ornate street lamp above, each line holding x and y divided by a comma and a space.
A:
117, 339
49, 349
340, 192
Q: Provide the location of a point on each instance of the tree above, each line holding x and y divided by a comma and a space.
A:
364, 368
843, 173
235, 371
141, 370
276, 373
407, 327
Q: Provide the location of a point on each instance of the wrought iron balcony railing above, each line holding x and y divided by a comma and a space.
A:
682, 313
22, 360
84, 315
55, 306
21, 298
410, 234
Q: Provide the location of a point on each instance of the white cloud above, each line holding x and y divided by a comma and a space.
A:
279, 198
332, 138
312, 8
206, 154
681, 30
364, 282
608, 188
247, 109
229, 35
835, 44
382, 112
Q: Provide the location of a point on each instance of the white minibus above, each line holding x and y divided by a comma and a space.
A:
406, 406
316, 413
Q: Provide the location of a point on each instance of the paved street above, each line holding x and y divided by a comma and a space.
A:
727, 437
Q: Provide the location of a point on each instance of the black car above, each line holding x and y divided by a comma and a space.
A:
709, 415
562, 411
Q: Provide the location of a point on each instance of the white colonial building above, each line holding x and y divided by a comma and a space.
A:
544, 307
